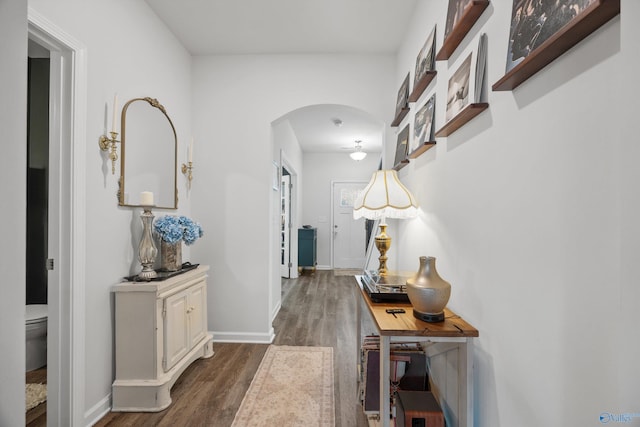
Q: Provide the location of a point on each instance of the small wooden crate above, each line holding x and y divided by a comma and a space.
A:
418, 409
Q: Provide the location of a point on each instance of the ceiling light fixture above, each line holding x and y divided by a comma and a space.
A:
358, 154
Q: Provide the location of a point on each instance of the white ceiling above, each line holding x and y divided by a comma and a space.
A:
317, 131
286, 26
209, 27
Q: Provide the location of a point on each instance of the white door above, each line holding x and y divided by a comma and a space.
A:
349, 235
285, 226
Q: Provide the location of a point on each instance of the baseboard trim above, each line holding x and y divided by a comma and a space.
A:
276, 311
244, 337
98, 411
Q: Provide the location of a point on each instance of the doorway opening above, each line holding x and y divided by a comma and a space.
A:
66, 221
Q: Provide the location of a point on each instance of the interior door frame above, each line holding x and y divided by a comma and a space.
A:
67, 210
285, 188
293, 214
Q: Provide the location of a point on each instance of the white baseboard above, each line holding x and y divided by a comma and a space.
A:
244, 337
276, 311
323, 267
98, 411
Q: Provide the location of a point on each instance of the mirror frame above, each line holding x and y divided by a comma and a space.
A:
154, 103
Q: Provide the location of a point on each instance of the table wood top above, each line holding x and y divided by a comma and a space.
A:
405, 324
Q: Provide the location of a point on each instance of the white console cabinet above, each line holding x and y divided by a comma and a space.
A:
160, 329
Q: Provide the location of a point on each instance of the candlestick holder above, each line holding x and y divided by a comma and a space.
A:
147, 250
188, 171
107, 143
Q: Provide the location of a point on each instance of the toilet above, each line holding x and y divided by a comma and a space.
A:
36, 336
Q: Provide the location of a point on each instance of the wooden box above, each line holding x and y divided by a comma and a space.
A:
418, 409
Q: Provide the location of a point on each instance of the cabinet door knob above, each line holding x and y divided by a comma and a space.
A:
190, 309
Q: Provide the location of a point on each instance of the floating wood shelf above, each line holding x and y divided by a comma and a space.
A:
568, 36
464, 116
401, 115
464, 25
421, 85
421, 149
402, 164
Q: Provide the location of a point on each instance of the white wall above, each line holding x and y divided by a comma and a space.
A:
141, 58
13, 113
236, 99
320, 170
529, 210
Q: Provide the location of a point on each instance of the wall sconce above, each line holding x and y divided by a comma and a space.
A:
107, 143
187, 169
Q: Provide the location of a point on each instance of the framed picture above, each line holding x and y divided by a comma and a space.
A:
403, 96
426, 59
454, 13
533, 22
402, 147
423, 123
459, 89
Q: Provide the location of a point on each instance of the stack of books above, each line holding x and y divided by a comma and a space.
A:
408, 368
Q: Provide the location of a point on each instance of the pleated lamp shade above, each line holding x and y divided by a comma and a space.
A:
385, 197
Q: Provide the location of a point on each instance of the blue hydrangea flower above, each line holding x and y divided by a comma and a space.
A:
173, 229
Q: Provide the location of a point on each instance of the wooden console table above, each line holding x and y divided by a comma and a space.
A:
454, 334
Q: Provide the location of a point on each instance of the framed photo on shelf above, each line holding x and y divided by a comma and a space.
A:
454, 13
423, 124
534, 22
426, 59
402, 147
468, 83
403, 96
459, 89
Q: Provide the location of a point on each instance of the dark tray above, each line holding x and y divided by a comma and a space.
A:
163, 274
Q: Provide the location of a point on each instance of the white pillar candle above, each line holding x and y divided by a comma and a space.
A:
191, 151
115, 112
146, 198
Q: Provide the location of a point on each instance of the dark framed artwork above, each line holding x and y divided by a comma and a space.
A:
533, 22
402, 147
454, 13
403, 96
423, 123
458, 90
426, 59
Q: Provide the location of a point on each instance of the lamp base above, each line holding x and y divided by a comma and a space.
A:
429, 317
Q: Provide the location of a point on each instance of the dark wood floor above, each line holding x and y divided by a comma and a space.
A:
317, 310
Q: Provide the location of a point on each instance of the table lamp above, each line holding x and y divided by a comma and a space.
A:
384, 197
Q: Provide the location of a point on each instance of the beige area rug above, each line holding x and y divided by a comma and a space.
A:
35, 395
292, 387
347, 272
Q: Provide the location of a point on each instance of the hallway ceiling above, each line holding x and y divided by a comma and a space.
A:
316, 131
210, 27
286, 26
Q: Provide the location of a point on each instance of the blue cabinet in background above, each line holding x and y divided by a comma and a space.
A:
307, 248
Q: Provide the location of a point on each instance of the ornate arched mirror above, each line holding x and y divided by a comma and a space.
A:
149, 154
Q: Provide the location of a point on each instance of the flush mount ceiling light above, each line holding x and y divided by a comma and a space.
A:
358, 154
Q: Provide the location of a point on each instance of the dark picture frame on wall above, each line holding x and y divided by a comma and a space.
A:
461, 17
425, 67
454, 14
423, 128
402, 102
466, 93
402, 149
542, 31
459, 89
